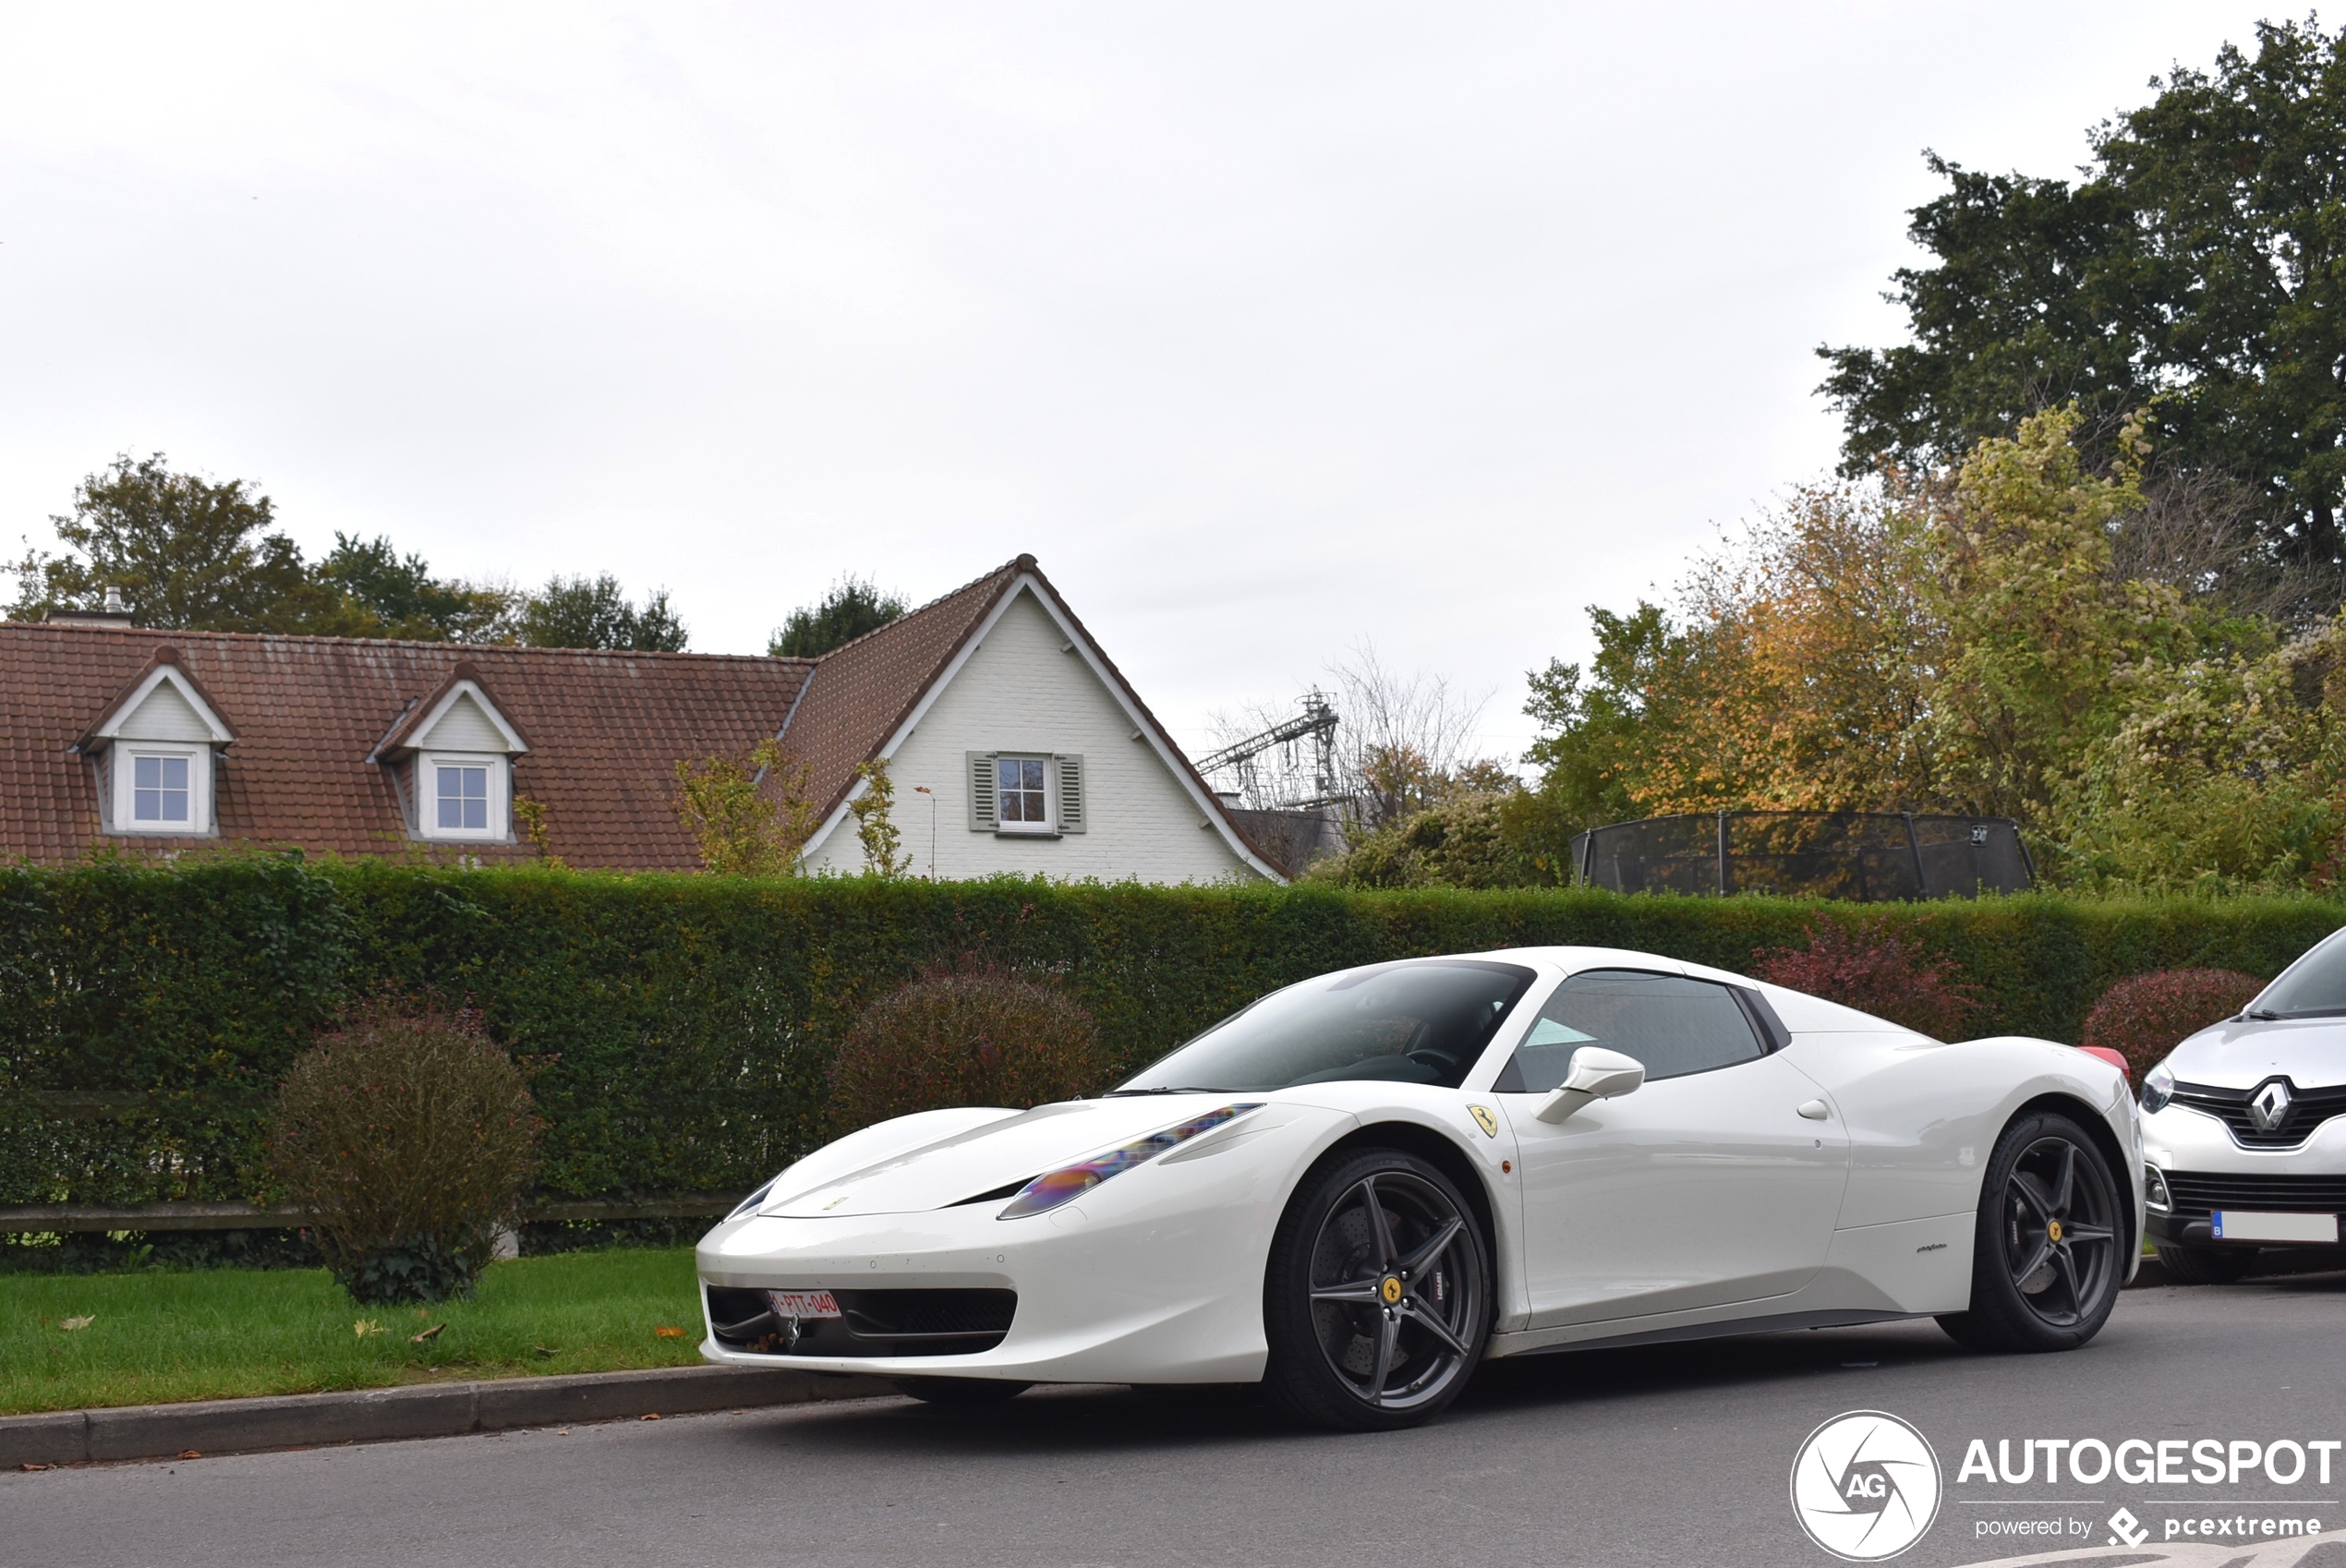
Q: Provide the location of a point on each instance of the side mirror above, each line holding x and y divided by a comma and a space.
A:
1597, 1073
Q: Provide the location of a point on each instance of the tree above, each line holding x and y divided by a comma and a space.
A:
196, 554
748, 815
189, 553
591, 612
1911, 643
2200, 271
852, 608
401, 598
875, 827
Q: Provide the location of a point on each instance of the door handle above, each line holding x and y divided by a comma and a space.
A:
1815, 1110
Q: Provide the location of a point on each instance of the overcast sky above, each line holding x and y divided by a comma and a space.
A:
1269, 328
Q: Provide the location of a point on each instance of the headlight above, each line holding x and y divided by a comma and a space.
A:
1054, 1187
750, 1203
2158, 1086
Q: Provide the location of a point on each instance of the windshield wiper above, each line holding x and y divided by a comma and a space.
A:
2262, 1015
1175, 1089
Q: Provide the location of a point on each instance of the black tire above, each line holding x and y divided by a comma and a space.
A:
960, 1390
2206, 1265
1378, 1300
2048, 1256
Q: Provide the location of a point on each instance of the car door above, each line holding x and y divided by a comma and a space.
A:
1705, 1186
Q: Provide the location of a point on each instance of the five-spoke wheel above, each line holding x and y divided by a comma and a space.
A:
1378, 1295
2051, 1241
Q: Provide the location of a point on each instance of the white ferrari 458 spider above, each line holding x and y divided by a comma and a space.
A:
1359, 1187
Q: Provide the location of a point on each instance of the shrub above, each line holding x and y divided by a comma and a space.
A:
2146, 1016
983, 1038
1876, 970
407, 1135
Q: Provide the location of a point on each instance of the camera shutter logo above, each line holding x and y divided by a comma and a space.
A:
1866, 1486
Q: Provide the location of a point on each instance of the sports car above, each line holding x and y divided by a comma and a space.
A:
1357, 1189
2245, 1128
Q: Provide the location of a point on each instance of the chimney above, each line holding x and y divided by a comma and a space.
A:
116, 614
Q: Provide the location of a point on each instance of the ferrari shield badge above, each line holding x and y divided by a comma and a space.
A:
1485, 1120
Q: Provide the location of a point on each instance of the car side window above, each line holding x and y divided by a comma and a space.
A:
1674, 1025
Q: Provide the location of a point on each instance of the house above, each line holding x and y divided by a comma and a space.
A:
1013, 743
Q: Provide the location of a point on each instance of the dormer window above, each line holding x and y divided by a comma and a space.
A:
154, 748
465, 796
453, 757
159, 788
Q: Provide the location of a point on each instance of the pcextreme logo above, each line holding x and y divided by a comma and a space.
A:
1865, 1485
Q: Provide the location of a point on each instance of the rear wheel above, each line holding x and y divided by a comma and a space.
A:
960, 1390
2047, 1259
2206, 1265
1377, 1301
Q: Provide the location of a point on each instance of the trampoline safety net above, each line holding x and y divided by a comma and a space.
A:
1860, 855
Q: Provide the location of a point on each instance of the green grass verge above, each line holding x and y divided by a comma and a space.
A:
218, 1333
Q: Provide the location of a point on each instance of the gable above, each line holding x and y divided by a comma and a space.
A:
165, 713
463, 728
1024, 687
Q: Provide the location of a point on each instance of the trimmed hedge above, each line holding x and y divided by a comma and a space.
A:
680, 1028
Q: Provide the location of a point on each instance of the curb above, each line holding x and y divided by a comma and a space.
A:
419, 1410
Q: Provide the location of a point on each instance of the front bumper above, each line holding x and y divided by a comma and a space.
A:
2202, 1168
1155, 1276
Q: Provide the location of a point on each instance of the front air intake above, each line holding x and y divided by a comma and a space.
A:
871, 1323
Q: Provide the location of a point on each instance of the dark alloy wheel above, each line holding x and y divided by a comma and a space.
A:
1377, 1301
2048, 1254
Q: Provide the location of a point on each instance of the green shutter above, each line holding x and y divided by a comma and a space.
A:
1071, 793
981, 771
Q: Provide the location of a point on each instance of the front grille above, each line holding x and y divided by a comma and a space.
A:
872, 1322
2198, 1192
2308, 1108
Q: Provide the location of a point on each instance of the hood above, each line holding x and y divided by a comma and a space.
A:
985, 1160
2243, 1053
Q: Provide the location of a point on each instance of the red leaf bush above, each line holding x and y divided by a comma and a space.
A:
1875, 971
2145, 1016
984, 1038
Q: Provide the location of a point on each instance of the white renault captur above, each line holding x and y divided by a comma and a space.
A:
2245, 1126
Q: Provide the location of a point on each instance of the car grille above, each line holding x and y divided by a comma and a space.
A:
2197, 1192
2308, 1108
872, 1322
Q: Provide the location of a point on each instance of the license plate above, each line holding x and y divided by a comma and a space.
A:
2236, 1224
803, 1304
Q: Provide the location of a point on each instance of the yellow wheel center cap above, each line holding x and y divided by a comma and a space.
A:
2052, 1230
1391, 1291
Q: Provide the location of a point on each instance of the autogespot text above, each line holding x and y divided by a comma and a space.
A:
2159, 1461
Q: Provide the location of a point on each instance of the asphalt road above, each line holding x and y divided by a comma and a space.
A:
1676, 1454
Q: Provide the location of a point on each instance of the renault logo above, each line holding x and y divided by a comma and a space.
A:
2269, 1104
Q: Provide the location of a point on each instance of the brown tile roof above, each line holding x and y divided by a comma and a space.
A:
608, 729
863, 690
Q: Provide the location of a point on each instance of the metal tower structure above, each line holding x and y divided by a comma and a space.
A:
1270, 770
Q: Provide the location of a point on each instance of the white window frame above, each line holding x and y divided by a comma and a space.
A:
499, 829
1049, 826
124, 767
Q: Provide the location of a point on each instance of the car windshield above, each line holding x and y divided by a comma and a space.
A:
2315, 985
1418, 1022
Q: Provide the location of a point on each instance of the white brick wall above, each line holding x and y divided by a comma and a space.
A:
1019, 692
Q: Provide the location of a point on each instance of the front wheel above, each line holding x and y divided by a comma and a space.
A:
2047, 1258
1377, 1301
